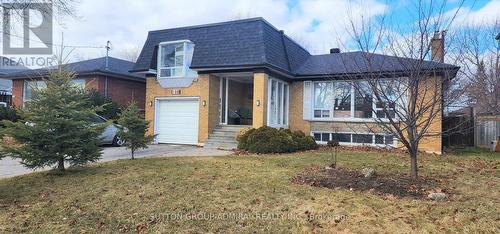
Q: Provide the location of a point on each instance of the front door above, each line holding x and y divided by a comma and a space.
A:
224, 84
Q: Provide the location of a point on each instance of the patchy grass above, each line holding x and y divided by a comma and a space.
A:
246, 194
475, 152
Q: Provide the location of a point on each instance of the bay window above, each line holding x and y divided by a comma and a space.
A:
174, 59
353, 100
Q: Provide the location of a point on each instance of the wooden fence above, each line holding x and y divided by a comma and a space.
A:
487, 129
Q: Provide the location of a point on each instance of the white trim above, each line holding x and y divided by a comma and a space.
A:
157, 99
220, 100
174, 42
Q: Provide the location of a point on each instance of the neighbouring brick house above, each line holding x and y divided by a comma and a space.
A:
111, 78
206, 82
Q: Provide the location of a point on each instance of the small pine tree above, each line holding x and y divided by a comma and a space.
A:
57, 127
133, 129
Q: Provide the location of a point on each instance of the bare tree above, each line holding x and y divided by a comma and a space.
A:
479, 47
396, 87
62, 7
130, 53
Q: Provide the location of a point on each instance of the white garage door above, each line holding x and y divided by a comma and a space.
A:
177, 121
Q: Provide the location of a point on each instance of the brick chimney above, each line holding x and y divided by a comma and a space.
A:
437, 46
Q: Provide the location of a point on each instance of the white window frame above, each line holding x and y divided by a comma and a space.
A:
351, 118
351, 143
185, 68
313, 103
284, 119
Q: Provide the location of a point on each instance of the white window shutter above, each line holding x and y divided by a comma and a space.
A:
307, 100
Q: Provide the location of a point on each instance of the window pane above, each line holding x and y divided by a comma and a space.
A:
279, 102
325, 114
389, 140
342, 99
179, 47
29, 86
317, 136
167, 55
379, 139
177, 71
179, 60
323, 94
363, 100
285, 104
80, 83
362, 138
325, 137
273, 102
317, 113
389, 97
342, 137
165, 72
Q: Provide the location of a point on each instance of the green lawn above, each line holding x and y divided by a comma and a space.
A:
209, 194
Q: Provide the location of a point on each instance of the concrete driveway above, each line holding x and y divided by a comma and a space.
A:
12, 167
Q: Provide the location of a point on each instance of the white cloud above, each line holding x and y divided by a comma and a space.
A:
317, 24
126, 23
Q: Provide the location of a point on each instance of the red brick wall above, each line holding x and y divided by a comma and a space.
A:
121, 91
124, 91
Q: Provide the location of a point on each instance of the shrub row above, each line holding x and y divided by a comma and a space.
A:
271, 140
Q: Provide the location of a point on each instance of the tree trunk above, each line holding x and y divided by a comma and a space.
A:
60, 165
414, 166
133, 151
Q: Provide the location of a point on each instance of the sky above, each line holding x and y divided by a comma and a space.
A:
318, 25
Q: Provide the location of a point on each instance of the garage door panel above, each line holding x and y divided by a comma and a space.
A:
177, 121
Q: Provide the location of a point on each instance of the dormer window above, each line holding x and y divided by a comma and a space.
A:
174, 59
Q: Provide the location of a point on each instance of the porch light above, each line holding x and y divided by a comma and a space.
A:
204, 103
257, 103
150, 103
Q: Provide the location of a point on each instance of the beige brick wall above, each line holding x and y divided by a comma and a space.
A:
296, 109
206, 88
430, 144
433, 142
260, 94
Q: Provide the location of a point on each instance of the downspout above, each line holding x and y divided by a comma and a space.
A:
106, 86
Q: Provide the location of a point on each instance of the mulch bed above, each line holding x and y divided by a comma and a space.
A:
387, 185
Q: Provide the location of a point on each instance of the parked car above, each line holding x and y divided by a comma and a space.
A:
110, 134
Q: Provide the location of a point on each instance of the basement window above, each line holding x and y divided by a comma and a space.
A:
174, 59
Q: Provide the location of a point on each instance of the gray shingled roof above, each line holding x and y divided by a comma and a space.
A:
363, 62
249, 42
116, 67
255, 43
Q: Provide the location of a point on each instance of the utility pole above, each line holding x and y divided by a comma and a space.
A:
108, 48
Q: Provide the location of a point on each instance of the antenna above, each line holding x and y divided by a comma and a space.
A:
108, 48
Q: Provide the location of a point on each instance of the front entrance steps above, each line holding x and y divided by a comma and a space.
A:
224, 137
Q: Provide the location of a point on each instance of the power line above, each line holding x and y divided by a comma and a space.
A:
58, 45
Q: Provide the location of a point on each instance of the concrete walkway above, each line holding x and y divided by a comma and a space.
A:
12, 167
